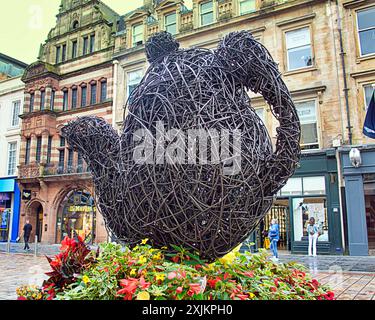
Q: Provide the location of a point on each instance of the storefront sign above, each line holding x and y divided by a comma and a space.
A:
81, 209
26, 195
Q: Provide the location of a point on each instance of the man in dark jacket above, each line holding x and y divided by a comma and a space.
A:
26, 234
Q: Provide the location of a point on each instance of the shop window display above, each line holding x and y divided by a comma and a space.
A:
77, 216
5, 210
303, 210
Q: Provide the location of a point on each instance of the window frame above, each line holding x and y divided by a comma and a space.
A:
32, 98
316, 105
42, 101
85, 45
287, 60
103, 83
201, 13
65, 100
27, 150
128, 83
74, 48
358, 32
171, 24
92, 43
52, 100
364, 92
83, 102
134, 43
63, 53
93, 93
38, 149
58, 53
14, 115
239, 7
9, 162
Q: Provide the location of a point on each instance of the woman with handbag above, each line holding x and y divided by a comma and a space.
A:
273, 235
313, 232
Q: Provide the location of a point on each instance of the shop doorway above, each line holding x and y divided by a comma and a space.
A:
369, 189
77, 216
279, 211
36, 220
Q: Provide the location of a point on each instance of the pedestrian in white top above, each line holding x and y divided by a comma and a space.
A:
313, 232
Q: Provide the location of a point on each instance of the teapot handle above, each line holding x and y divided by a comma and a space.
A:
252, 67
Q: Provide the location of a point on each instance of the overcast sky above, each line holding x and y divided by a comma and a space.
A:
24, 24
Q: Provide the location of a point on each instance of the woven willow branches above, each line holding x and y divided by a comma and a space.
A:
197, 205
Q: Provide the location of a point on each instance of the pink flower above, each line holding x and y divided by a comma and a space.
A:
172, 275
179, 290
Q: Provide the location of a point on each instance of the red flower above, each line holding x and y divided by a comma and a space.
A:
276, 282
179, 290
226, 275
175, 259
212, 282
144, 285
273, 289
242, 296
329, 295
21, 298
105, 269
249, 274
195, 288
198, 267
129, 287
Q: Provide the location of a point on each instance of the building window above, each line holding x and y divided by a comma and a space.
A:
83, 96
103, 91
137, 35
79, 162
92, 43
171, 23
366, 30
70, 159
207, 13
85, 45
65, 100
61, 160
32, 100
63, 57
134, 78
12, 158
38, 149
74, 98
247, 6
52, 103
93, 94
49, 149
15, 120
27, 151
299, 51
74, 49
58, 51
42, 99
309, 128
260, 113
368, 90
62, 142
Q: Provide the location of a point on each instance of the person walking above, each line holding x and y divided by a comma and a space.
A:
274, 236
313, 232
26, 234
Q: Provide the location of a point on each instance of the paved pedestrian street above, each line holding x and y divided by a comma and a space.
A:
19, 269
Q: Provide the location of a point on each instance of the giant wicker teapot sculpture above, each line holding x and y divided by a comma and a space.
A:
198, 205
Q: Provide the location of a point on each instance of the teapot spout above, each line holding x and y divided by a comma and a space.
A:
96, 140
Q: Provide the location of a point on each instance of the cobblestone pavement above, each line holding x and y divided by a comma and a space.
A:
19, 269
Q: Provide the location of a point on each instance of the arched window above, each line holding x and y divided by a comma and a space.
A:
75, 24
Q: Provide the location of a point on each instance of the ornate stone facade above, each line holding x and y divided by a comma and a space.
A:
72, 77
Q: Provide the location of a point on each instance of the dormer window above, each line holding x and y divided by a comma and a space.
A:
170, 23
75, 24
137, 35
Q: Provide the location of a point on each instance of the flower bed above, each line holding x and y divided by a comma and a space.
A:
146, 273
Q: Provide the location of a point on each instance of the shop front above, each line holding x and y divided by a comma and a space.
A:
360, 200
311, 192
9, 209
77, 215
